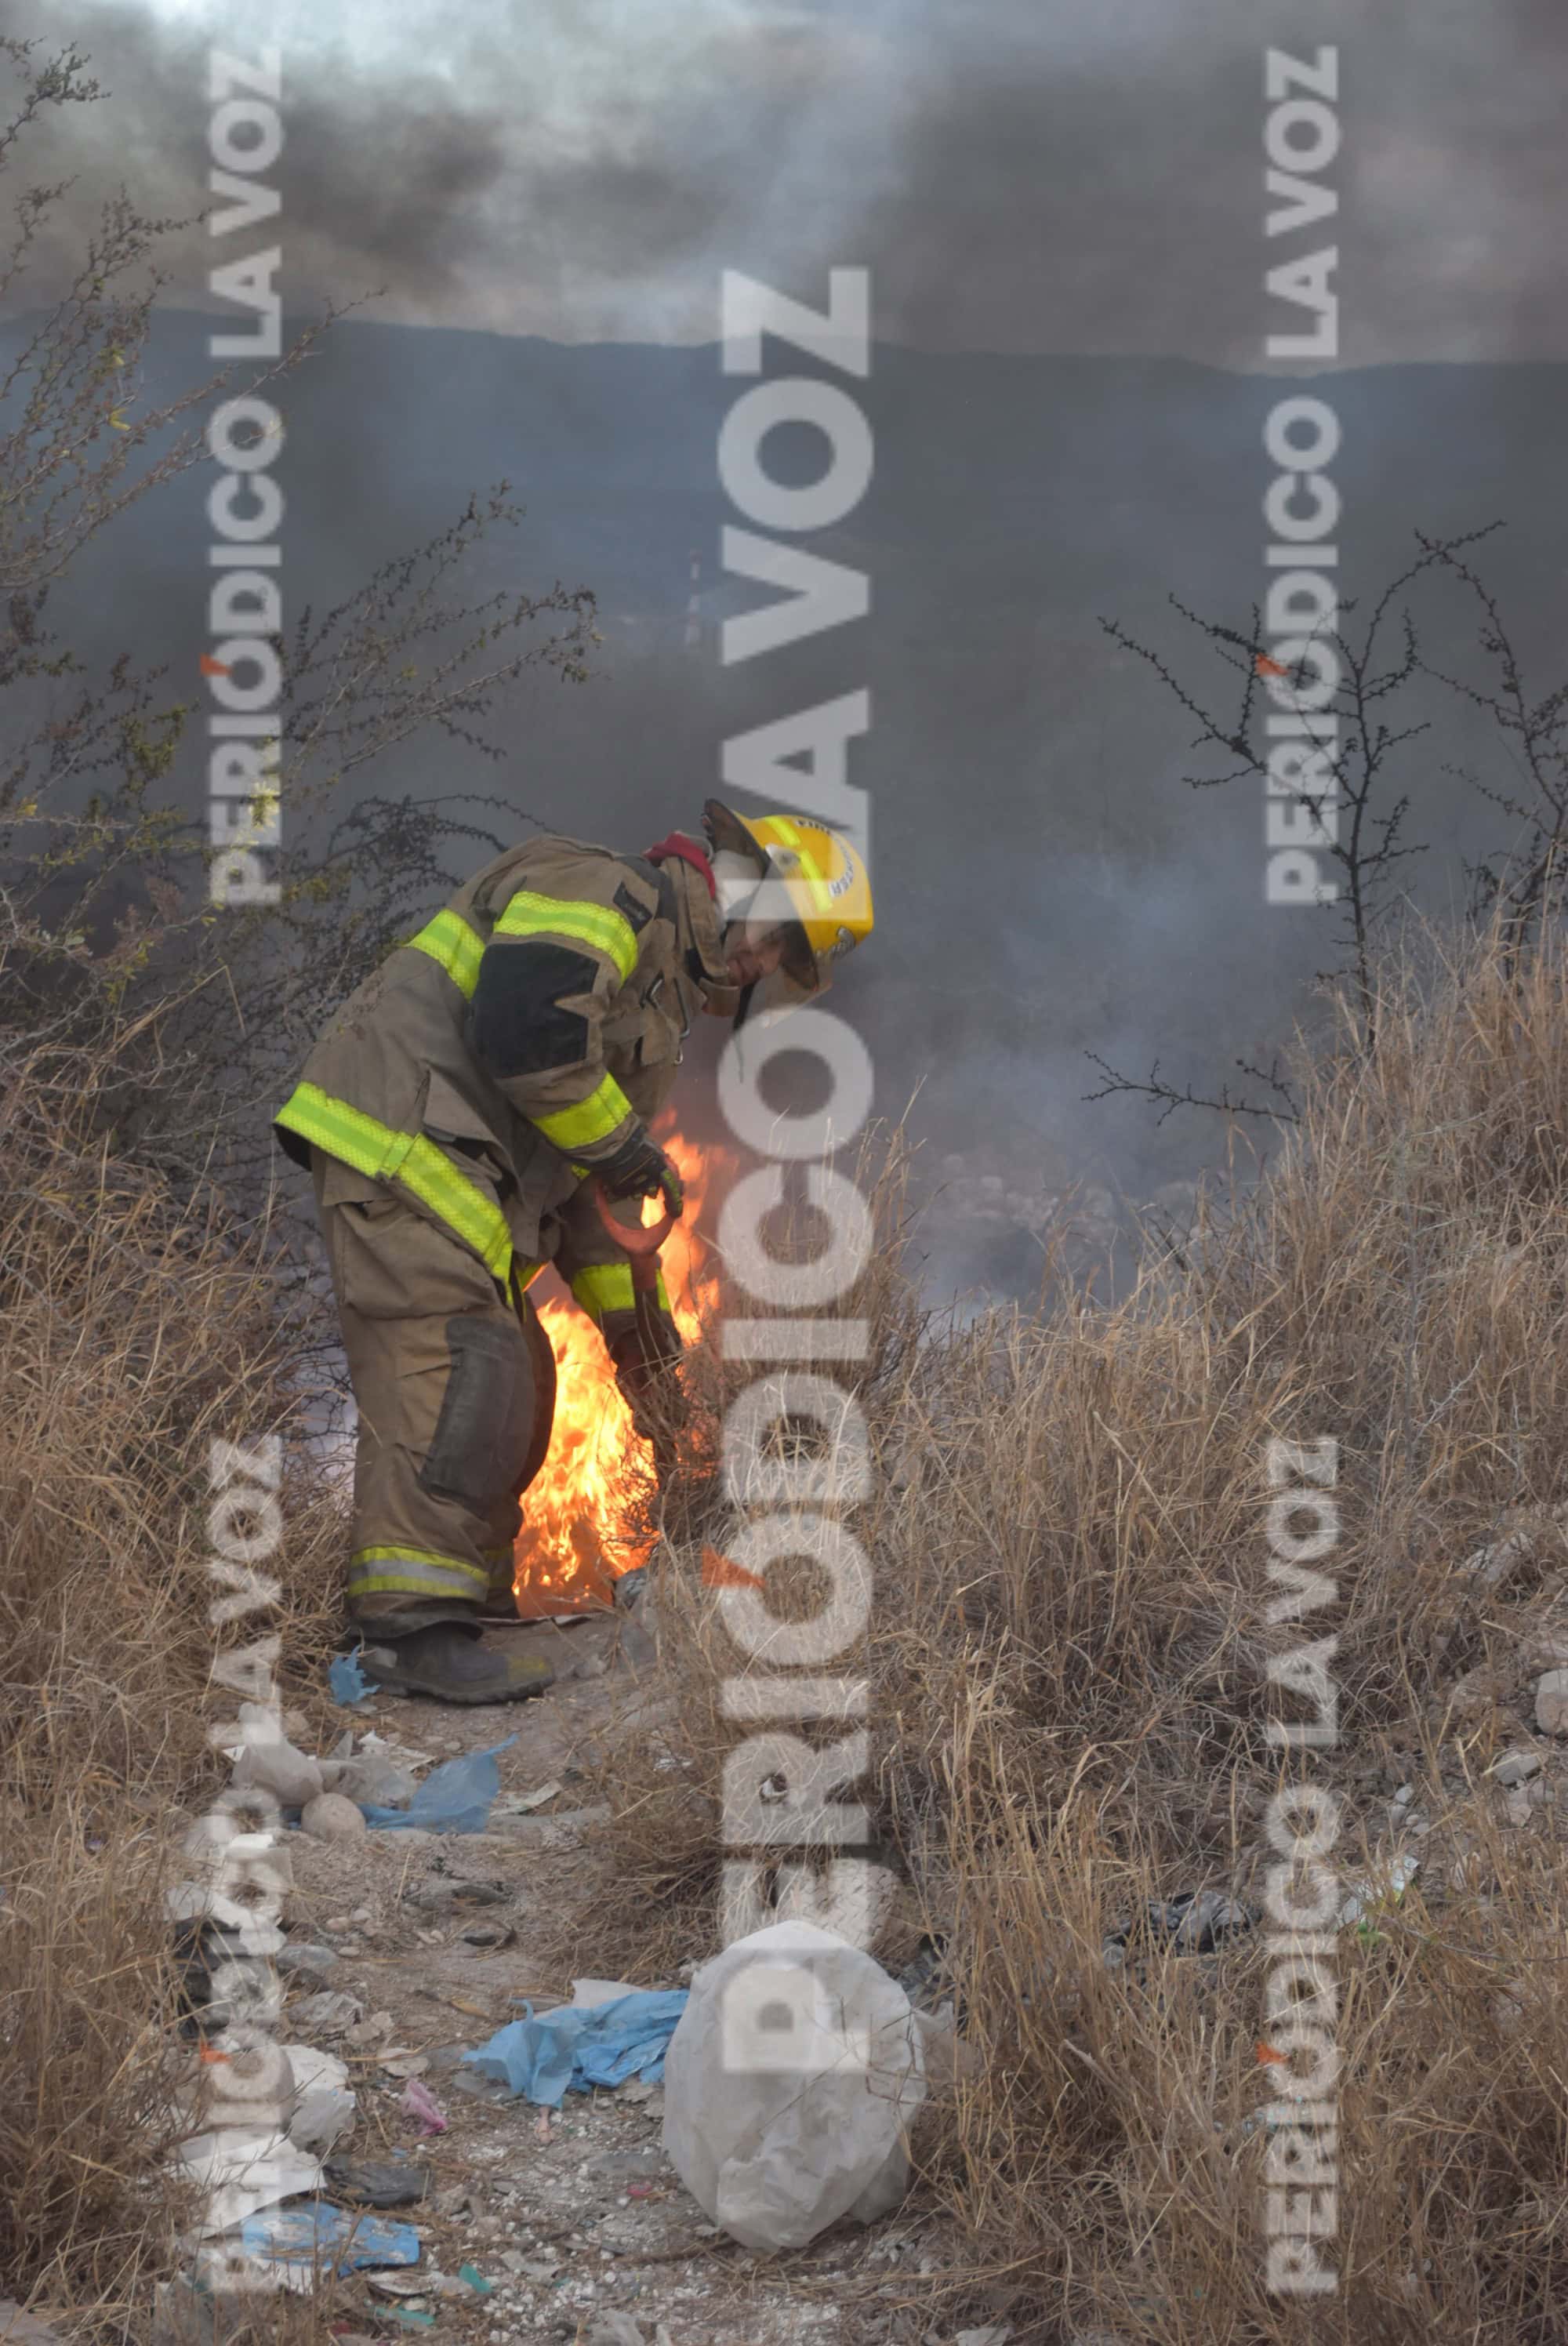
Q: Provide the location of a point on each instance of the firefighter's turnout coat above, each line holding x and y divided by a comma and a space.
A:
450, 1115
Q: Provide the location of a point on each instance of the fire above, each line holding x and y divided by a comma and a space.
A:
570, 1550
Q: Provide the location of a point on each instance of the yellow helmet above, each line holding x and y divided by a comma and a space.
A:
825, 885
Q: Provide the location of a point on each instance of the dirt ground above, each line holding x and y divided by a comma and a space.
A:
575, 2217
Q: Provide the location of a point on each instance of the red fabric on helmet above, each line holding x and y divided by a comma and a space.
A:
685, 850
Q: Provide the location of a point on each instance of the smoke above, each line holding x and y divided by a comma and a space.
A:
1020, 180
1018, 175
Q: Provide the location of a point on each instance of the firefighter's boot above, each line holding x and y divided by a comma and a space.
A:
448, 1663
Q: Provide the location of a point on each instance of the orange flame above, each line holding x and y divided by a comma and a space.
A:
572, 1547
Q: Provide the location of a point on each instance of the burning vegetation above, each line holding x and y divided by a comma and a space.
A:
584, 1513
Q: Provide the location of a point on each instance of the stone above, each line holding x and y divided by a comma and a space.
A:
330, 1817
300, 1961
1516, 1766
1490, 1567
1544, 1649
325, 2016
638, 2166
1552, 1703
1479, 1691
19, 2329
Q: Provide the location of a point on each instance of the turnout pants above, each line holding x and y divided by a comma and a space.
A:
456, 1384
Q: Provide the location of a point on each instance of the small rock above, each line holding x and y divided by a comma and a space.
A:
366, 2034
329, 1817
543, 2267
439, 1896
1491, 1566
1552, 1703
325, 2016
1515, 1767
488, 1934
1405, 1794
19, 2329
995, 2333
298, 1961
1479, 1691
615, 2330
639, 2165
339, 1923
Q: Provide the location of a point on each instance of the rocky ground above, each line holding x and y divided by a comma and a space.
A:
573, 2222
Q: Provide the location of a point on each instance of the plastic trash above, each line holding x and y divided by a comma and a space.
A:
580, 2046
792, 2077
317, 2237
324, 2108
476, 2280
453, 1797
346, 1681
378, 2183
416, 2103
370, 1781
331, 2012
269, 1762
236, 2174
1194, 1922
1391, 1884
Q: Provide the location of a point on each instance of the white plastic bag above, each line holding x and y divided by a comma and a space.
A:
789, 2083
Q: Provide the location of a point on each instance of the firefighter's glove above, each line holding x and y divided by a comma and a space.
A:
639, 1169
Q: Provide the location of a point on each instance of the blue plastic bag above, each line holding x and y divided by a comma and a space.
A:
346, 1681
312, 2235
580, 2046
456, 1796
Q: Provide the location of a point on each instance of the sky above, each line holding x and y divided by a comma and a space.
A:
1019, 175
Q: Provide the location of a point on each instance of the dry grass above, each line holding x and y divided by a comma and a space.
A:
138, 1328
1069, 1652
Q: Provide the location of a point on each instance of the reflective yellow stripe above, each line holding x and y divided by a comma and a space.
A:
384, 1155
462, 1205
426, 1576
599, 925
449, 940
592, 1119
605, 1287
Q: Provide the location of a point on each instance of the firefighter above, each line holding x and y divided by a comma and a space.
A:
453, 1116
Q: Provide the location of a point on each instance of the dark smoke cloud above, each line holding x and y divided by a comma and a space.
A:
1019, 175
